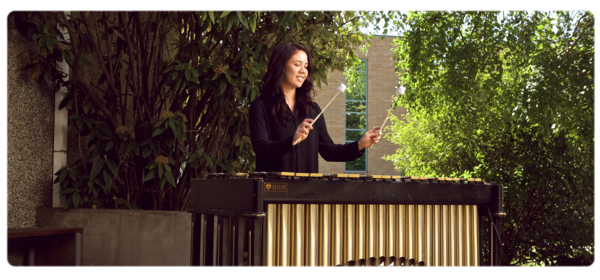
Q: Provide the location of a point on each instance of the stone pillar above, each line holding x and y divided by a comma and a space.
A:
30, 134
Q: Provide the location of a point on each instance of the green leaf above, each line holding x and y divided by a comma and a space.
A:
69, 190
238, 56
107, 178
193, 157
169, 177
252, 22
160, 170
169, 69
112, 166
242, 19
229, 24
63, 175
133, 146
60, 170
159, 122
172, 122
124, 150
176, 86
157, 131
73, 173
167, 167
96, 169
183, 87
258, 50
222, 86
149, 175
49, 46
147, 152
224, 14
120, 201
188, 74
76, 199
106, 131
208, 158
72, 161
132, 206
161, 182
212, 16
314, 12
109, 146
69, 202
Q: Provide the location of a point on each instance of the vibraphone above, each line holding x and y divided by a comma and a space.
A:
301, 219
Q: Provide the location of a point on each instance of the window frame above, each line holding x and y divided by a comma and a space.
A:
358, 113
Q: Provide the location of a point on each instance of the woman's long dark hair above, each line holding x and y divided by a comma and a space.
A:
274, 78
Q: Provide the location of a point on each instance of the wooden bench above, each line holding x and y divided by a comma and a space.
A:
46, 231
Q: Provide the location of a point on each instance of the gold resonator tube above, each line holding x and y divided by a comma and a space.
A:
371, 235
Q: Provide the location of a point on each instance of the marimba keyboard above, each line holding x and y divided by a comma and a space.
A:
300, 219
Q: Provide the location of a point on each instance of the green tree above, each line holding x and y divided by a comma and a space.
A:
163, 97
509, 98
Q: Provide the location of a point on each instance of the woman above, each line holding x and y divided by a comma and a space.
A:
284, 112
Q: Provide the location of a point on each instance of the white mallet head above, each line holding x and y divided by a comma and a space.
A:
341, 88
401, 90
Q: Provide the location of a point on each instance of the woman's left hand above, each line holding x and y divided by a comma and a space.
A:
369, 138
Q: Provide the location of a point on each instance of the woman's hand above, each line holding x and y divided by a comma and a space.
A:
369, 138
302, 131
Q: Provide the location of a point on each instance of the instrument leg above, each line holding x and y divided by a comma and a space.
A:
208, 252
256, 255
226, 241
196, 237
240, 236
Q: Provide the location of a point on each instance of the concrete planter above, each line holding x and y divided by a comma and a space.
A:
126, 237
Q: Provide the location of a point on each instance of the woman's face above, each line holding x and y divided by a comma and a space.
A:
296, 71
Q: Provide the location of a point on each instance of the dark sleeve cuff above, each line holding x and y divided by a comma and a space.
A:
287, 145
354, 146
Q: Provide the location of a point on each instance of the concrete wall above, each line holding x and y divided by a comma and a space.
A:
127, 237
30, 136
381, 83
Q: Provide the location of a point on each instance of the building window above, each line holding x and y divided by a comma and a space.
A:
356, 115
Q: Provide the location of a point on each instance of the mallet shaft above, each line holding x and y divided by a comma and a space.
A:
319, 115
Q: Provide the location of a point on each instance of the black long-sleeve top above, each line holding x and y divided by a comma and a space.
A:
272, 142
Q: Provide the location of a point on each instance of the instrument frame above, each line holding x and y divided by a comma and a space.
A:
245, 197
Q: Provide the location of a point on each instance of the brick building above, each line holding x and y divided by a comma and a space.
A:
344, 121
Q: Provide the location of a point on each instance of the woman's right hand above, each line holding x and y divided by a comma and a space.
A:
302, 131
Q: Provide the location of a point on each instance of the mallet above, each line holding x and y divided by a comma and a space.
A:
340, 89
400, 91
